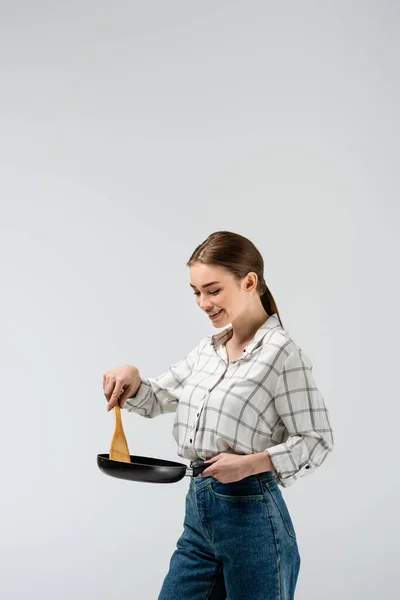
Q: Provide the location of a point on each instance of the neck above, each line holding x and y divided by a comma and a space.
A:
244, 329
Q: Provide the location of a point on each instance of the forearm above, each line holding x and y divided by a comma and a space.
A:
152, 398
259, 462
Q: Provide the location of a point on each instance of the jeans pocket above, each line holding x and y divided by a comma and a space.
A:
238, 491
279, 502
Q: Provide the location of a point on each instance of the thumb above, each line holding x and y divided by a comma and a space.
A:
213, 459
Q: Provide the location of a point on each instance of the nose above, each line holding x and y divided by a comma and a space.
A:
205, 305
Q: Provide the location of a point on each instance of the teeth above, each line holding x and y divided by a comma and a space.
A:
215, 313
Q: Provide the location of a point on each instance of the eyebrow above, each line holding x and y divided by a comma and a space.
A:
206, 284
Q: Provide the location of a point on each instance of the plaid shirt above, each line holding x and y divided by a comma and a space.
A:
265, 400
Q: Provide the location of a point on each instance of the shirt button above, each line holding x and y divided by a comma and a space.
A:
190, 440
307, 466
197, 414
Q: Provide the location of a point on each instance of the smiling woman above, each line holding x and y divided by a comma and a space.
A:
247, 405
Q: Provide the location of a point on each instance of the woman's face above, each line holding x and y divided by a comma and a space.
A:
224, 294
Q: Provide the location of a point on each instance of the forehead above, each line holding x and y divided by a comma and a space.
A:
200, 274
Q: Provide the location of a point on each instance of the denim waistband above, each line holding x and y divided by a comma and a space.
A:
265, 476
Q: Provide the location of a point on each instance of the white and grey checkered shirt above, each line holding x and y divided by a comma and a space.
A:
266, 399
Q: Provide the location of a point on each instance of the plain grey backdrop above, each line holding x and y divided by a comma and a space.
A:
130, 131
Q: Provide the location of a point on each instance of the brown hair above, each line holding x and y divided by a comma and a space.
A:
239, 256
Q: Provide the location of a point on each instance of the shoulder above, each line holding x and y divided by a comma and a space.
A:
285, 352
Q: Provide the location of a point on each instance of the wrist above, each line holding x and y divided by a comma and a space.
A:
259, 462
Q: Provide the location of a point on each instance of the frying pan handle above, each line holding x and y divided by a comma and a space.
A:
194, 471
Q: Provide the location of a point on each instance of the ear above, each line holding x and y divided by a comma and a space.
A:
251, 281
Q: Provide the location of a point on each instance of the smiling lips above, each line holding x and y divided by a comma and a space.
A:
216, 314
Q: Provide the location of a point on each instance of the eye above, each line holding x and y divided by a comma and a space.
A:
213, 293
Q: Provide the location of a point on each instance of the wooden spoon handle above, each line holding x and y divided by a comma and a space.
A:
117, 416
119, 447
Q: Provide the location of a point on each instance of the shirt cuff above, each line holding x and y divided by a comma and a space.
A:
287, 470
133, 404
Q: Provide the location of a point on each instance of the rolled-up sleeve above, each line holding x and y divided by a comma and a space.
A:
159, 395
301, 407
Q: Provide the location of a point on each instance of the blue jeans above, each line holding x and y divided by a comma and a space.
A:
238, 543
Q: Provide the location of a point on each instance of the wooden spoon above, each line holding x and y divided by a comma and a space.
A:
119, 447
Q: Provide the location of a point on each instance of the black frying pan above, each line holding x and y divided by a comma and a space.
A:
145, 468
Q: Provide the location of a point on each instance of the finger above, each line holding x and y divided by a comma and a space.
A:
115, 395
209, 471
213, 459
125, 395
108, 390
110, 393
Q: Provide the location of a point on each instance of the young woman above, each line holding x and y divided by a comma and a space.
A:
246, 403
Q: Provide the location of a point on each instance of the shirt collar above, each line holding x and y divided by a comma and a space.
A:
222, 337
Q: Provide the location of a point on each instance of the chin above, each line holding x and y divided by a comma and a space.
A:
221, 323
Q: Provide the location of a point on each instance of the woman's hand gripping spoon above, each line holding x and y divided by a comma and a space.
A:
119, 447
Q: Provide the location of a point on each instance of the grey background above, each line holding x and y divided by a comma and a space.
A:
130, 131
